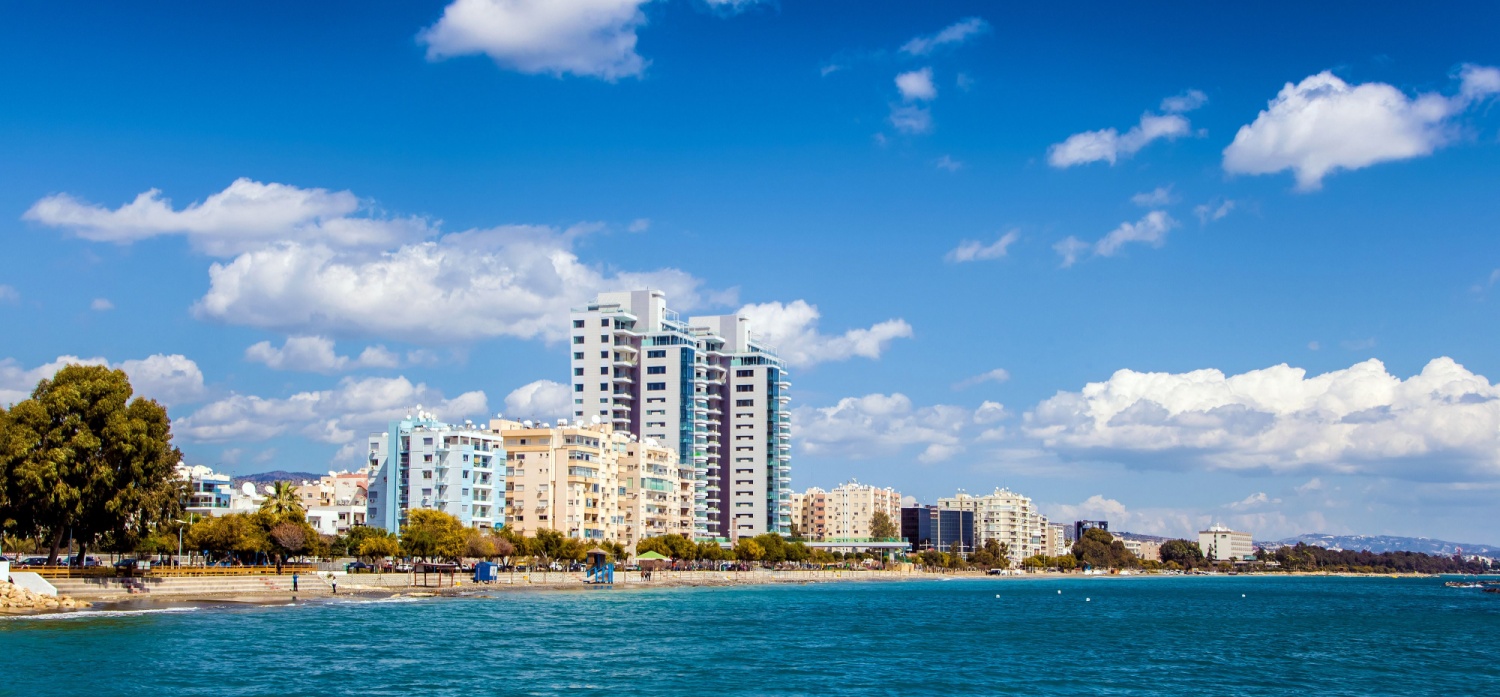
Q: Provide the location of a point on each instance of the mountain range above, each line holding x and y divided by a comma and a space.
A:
1388, 543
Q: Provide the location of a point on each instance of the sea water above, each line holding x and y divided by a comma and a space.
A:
1077, 636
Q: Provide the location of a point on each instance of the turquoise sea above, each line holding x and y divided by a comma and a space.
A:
1099, 636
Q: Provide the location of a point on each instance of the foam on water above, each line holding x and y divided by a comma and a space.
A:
97, 614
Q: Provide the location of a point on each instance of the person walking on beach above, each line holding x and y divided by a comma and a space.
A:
294, 582
335, 583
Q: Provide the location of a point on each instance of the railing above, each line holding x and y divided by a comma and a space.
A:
165, 571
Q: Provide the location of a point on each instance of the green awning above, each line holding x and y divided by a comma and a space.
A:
651, 556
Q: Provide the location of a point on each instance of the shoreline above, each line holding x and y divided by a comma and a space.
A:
351, 590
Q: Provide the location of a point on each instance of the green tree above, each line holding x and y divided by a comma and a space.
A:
432, 534
955, 556
1186, 554
80, 455
882, 528
1100, 550
377, 547
709, 551
748, 550
933, 559
288, 539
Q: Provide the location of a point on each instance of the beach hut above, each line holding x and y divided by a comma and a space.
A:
486, 572
600, 569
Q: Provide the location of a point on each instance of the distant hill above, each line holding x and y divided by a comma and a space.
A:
1387, 543
262, 478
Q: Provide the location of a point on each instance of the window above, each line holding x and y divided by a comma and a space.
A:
657, 353
426, 441
744, 388
604, 387
656, 370
577, 413
577, 339
577, 355
578, 324
578, 371
578, 387
604, 354
603, 338
604, 322
604, 370
744, 402
427, 474
744, 373
656, 386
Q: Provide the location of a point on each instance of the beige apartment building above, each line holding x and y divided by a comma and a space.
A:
845, 512
592, 482
1006, 517
1054, 540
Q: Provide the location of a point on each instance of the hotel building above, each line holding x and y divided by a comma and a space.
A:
422, 463
1222, 544
705, 387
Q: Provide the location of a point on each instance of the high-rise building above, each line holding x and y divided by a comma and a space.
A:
844, 513
705, 386
931, 527
1005, 517
420, 462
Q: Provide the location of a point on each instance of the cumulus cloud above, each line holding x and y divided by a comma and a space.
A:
997, 375
589, 38
1213, 210
1441, 425
793, 329
910, 118
170, 379
316, 354
947, 162
1185, 102
951, 35
101, 305
1151, 230
334, 416
974, 250
543, 399
245, 216
916, 85
879, 425
1323, 124
1109, 145
516, 281
1155, 198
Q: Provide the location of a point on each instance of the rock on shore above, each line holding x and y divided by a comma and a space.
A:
14, 597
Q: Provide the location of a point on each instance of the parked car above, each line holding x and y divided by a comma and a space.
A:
132, 566
357, 566
88, 561
403, 567
34, 561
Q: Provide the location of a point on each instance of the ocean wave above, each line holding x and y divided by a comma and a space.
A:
97, 614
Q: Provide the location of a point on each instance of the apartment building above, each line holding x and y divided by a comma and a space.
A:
1055, 540
209, 493
705, 387
657, 496
564, 478
422, 463
845, 512
336, 501
1004, 516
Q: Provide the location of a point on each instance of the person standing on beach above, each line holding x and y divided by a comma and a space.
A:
335, 583
294, 582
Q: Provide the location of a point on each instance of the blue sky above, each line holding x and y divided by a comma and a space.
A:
363, 206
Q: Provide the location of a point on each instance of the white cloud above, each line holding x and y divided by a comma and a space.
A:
516, 281
1155, 198
1185, 102
954, 34
334, 416
1109, 145
997, 375
9, 294
880, 425
947, 162
911, 118
793, 329
1258, 499
543, 399
1151, 230
1258, 514
1214, 210
974, 250
247, 215
590, 38
916, 85
170, 379
639, 225
101, 305
733, 6
1442, 425
316, 354
1323, 124
1070, 248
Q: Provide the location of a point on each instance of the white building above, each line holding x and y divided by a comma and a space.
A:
706, 387
209, 493
846, 512
420, 462
1222, 544
1005, 517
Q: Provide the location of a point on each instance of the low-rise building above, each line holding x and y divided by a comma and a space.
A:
1222, 544
1145, 550
931, 527
209, 493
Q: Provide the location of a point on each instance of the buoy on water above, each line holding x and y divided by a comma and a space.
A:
1088, 600
997, 595
1059, 592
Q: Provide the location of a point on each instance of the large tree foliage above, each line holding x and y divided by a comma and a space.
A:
1100, 550
80, 456
881, 527
1186, 554
432, 534
282, 501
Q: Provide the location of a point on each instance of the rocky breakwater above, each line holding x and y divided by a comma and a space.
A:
14, 598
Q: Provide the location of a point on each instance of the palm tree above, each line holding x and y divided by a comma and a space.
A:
282, 501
